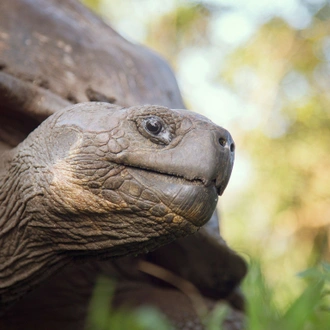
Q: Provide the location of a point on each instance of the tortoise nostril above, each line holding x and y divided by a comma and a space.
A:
232, 147
222, 142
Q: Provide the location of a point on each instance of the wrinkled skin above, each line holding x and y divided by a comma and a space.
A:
94, 179
81, 188
63, 299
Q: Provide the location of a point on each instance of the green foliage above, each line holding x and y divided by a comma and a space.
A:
309, 311
215, 318
99, 315
102, 317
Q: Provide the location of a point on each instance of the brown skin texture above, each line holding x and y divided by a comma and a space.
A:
93, 179
62, 300
54, 53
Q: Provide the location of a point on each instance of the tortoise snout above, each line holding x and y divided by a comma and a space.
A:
225, 140
225, 158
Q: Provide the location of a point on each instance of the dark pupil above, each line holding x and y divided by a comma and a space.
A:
153, 126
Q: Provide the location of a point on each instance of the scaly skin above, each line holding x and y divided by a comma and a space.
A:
97, 179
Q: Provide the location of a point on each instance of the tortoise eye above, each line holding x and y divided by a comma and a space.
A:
155, 128
153, 125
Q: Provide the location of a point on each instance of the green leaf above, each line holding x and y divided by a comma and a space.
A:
303, 309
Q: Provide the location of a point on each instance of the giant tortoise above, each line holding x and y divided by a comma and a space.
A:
100, 173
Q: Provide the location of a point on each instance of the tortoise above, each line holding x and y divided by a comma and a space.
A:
103, 171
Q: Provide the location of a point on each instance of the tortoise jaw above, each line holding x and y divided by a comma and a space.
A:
190, 199
174, 177
220, 183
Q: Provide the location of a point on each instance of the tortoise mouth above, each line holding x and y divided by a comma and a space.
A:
173, 177
192, 199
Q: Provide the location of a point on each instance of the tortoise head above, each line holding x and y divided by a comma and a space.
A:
119, 180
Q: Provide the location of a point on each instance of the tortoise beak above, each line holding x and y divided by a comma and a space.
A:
209, 157
226, 164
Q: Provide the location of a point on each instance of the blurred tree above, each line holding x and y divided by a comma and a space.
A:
285, 73
184, 26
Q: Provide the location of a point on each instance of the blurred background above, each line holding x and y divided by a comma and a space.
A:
262, 70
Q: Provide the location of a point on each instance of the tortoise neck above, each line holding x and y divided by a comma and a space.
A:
25, 260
